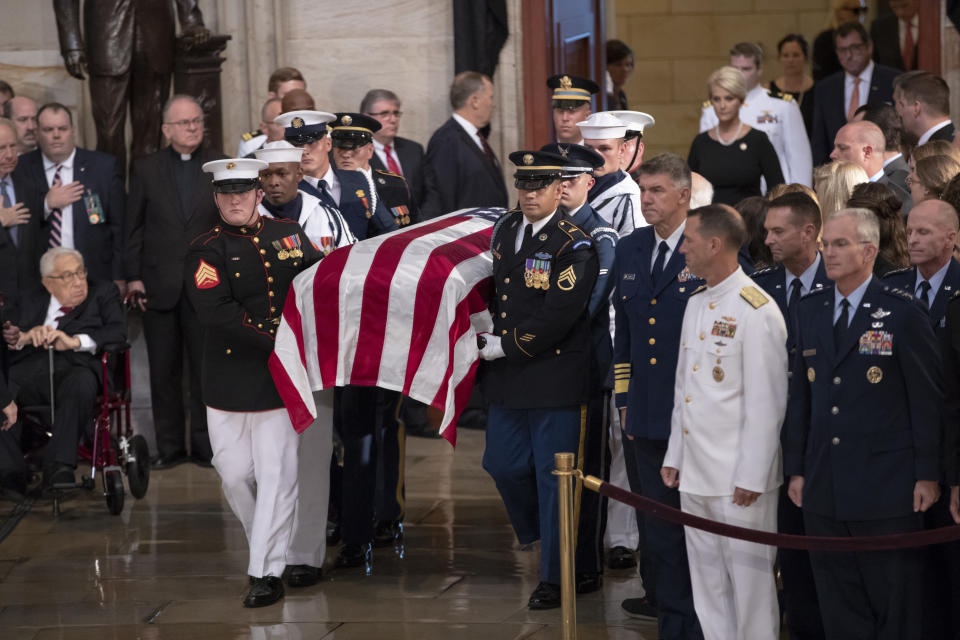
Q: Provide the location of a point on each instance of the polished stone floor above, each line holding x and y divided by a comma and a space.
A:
173, 566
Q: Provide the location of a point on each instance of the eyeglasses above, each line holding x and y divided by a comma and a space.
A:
854, 48
396, 113
70, 276
197, 122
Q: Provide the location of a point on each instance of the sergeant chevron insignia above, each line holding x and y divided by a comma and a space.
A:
206, 276
567, 279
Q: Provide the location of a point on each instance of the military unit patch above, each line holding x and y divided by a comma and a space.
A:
206, 276
536, 273
876, 343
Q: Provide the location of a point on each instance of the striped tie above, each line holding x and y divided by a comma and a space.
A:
56, 216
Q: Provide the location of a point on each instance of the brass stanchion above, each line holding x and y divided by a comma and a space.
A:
565, 471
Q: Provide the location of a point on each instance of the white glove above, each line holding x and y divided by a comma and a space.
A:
492, 349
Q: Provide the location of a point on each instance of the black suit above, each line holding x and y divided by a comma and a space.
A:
830, 110
460, 173
943, 133
885, 33
77, 374
100, 244
159, 231
18, 259
413, 165
895, 176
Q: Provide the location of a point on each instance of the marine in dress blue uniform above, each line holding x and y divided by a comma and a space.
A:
792, 226
544, 270
652, 286
238, 274
862, 433
577, 177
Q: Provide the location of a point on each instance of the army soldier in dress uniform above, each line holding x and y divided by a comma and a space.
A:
724, 447
777, 116
325, 227
346, 191
577, 178
571, 102
352, 138
614, 196
544, 270
238, 274
792, 225
862, 434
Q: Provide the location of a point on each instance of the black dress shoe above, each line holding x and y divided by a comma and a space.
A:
333, 533
545, 596
387, 532
303, 575
168, 460
621, 558
640, 608
263, 592
588, 582
201, 461
55, 474
356, 555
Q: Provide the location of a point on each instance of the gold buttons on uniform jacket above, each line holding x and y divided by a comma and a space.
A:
558, 351
236, 275
269, 278
686, 431
266, 264
652, 321
652, 341
696, 367
835, 410
273, 309
503, 297
229, 352
687, 399
503, 314
270, 293
653, 361
654, 301
506, 281
702, 335
504, 332
259, 325
713, 305
836, 441
263, 251
257, 240
836, 380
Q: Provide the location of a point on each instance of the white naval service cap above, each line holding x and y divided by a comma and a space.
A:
636, 121
601, 126
279, 151
235, 175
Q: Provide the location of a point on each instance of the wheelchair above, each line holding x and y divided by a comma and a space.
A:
113, 450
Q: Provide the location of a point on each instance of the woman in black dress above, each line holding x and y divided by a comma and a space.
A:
793, 53
733, 156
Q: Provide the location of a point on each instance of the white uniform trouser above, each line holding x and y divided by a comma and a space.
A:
621, 519
733, 586
309, 543
255, 454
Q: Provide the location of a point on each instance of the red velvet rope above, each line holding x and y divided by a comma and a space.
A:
783, 540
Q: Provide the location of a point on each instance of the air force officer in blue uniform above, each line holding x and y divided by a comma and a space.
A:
862, 433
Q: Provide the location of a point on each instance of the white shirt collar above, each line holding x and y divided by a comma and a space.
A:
891, 159
539, 224
466, 124
330, 176
49, 164
932, 130
864, 76
380, 147
877, 175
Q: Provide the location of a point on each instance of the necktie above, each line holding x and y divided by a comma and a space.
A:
657, 269
56, 216
63, 311
392, 165
794, 294
908, 46
488, 151
925, 293
325, 196
6, 204
840, 328
854, 99
527, 238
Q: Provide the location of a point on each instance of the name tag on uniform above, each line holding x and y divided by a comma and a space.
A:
91, 201
809, 352
629, 276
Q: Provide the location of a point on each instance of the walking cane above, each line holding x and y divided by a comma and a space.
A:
53, 400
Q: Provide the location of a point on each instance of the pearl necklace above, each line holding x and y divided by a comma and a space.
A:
716, 130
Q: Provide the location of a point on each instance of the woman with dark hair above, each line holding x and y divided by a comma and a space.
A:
929, 177
619, 68
793, 52
753, 210
885, 204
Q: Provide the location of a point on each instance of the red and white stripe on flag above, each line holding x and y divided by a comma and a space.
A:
399, 311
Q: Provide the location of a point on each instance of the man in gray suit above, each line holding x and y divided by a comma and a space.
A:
895, 167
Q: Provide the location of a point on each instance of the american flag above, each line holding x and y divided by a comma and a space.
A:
399, 311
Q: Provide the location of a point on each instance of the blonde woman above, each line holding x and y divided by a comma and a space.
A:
834, 183
732, 155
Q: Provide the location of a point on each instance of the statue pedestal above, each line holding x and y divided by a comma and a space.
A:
196, 72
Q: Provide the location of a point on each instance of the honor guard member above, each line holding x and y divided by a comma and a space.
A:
636, 122
250, 141
652, 286
724, 448
615, 197
862, 434
577, 178
325, 227
792, 226
346, 191
571, 99
934, 275
777, 116
238, 274
352, 138
544, 270
950, 345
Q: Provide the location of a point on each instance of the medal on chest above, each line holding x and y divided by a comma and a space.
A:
288, 247
725, 327
536, 272
876, 343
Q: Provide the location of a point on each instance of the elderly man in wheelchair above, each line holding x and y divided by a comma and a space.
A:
55, 342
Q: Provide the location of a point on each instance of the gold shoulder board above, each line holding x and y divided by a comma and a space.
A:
754, 296
706, 104
702, 287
